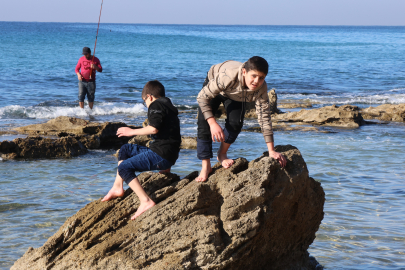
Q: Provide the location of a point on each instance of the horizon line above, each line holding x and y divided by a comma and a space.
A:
348, 25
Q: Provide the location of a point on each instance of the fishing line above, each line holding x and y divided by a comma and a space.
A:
95, 44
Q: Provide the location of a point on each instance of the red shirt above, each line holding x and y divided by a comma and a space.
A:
84, 66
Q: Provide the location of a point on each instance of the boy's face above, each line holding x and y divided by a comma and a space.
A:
254, 79
148, 100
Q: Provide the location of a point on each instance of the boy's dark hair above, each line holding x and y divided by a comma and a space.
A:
257, 63
154, 88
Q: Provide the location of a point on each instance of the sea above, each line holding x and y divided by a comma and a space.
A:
361, 170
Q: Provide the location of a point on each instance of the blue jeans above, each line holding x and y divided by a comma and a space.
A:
137, 158
88, 88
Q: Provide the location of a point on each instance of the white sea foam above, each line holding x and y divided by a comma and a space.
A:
377, 99
49, 112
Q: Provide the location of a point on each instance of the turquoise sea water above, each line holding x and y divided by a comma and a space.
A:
362, 170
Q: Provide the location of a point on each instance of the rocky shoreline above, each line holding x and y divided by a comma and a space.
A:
68, 136
254, 215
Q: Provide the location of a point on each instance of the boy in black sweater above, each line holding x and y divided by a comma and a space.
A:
164, 128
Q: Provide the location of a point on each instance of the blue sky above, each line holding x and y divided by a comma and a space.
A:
262, 12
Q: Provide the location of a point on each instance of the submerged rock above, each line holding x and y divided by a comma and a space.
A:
254, 215
386, 112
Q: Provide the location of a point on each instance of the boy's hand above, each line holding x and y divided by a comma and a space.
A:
79, 76
124, 131
216, 131
281, 159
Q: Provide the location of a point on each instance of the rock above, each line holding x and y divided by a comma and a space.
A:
38, 147
344, 116
254, 215
89, 141
140, 139
55, 126
92, 134
386, 112
7, 147
188, 142
290, 127
107, 133
9, 156
294, 105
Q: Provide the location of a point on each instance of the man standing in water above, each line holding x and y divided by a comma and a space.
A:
86, 73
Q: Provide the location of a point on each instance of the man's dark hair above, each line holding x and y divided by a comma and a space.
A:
154, 88
257, 63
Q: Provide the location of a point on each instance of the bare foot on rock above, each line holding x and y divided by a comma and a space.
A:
203, 175
225, 161
165, 171
142, 208
113, 193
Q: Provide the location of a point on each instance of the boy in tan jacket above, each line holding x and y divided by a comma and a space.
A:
233, 84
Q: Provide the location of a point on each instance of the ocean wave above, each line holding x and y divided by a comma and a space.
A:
49, 112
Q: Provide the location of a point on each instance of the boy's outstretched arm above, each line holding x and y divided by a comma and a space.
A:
272, 153
128, 132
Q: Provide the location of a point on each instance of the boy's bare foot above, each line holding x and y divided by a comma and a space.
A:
113, 193
165, 171
225, 161
203, 175
142, 208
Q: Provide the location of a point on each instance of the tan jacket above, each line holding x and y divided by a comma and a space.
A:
227, 79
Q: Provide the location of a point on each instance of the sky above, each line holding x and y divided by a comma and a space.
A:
229, 12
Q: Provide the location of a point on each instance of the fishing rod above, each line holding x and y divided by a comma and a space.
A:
95, 44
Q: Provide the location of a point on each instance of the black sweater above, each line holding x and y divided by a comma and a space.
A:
163, 116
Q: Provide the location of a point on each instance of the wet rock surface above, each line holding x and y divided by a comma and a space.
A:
346, 116
38, 147
65, 124
93, 135
386, 112
188, 142
291, 127
76, 131
294, 105
254, 215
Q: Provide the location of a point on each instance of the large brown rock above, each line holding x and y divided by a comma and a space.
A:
347, 116
386, 112
53, 127
253, 215
92, 134
38, 147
